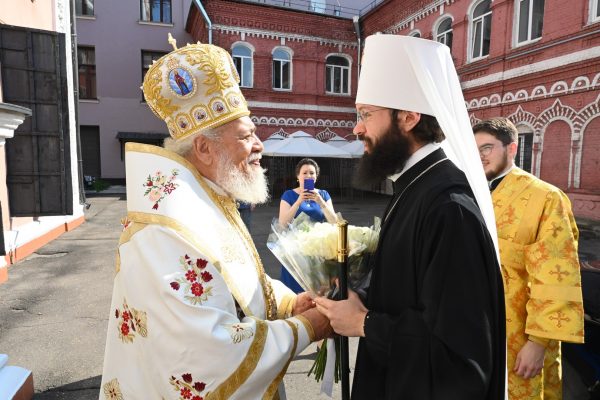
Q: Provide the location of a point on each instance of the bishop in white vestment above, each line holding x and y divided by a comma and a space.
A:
193, 314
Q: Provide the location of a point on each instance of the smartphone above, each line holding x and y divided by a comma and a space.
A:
309, 184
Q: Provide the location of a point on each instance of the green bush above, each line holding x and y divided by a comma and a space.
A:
100, 185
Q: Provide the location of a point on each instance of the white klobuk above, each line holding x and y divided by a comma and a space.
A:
413, 74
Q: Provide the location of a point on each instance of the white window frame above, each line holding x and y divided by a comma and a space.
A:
471, 30
444, 34
415, 33
593, 18
291, 80
517, 20
349, 68
250, 60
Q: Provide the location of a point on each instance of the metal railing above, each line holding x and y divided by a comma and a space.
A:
316, 6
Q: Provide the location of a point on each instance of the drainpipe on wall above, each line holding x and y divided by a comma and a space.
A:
356, 22
76, 101
205, 16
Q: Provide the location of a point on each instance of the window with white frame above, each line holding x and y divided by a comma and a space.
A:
242, 58
282, 70
594, 10
155, 11
415, 33
524, 148
84, 7
530, 17
148, 58
481, 28
444, 32
337, 75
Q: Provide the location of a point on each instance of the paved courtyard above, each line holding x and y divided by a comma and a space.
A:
55, 306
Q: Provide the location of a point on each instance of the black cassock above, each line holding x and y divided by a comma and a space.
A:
436, 327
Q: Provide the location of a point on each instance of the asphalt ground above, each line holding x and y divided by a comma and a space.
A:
54, 308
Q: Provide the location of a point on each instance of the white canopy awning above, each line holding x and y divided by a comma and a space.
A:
356, 148
302, 144
337, 141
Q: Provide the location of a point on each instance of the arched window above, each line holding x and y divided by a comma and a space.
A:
530, 19
282, 69
524, 148
481, 28
443, 33
415, 33
242, 58
337, 75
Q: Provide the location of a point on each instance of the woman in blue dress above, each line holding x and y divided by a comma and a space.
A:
315, 203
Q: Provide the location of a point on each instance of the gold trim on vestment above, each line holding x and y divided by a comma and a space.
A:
230, 385
131, 230
556, 292
308, 326
272, 389
286, 305
575, 338
226, 205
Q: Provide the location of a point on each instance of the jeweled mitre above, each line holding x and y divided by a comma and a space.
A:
194, 88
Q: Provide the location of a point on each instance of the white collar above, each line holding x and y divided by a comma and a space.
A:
415, 157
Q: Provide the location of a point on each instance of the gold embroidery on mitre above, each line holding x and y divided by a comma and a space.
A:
194, 88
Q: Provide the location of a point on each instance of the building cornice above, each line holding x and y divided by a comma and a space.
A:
263, 33
422, 13
533, 68
301, 107
11, 116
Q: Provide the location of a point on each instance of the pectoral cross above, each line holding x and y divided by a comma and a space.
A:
559, 273
560, 316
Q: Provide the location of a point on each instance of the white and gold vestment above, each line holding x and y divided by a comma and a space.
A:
193, 314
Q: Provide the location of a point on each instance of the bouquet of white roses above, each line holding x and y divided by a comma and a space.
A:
308, 251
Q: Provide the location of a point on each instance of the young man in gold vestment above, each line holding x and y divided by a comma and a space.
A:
538, 252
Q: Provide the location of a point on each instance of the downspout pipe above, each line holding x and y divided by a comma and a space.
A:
356, 21
82, 199
205, 16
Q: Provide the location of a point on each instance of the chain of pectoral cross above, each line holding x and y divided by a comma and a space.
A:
407, 186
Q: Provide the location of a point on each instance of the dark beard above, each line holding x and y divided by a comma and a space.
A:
387, 157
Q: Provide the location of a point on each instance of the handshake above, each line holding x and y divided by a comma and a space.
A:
344, 317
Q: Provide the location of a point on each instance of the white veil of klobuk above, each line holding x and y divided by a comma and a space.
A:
413, 74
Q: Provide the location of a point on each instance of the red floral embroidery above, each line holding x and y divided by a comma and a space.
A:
193, 282
197, 289
186, 389
206, 276
158, 186
191, 275
131, 322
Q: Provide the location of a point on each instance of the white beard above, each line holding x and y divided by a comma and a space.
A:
249, 187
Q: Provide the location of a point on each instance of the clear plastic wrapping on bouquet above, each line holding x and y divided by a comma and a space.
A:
308, 251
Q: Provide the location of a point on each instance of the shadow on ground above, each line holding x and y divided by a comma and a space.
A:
80, 390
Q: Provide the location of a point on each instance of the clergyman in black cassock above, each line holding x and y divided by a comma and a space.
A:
435, 328
433, 323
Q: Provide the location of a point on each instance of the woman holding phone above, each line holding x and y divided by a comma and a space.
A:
316, 203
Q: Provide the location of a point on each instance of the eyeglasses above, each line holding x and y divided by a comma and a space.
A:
364, 115
486, 149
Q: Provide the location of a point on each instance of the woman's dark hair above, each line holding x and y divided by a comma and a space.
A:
427, 129
307, 161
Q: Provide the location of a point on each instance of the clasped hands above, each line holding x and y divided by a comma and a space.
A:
344, 317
